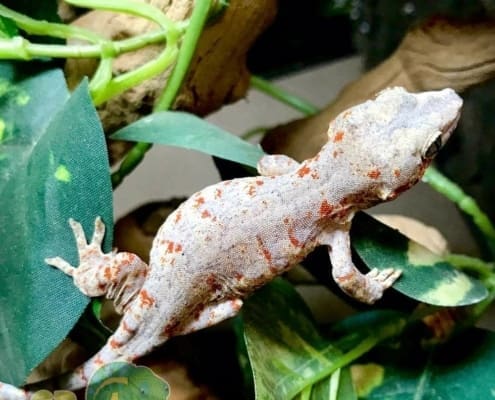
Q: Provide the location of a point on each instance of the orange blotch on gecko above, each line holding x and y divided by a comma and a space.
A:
305, 170
264, 250
374, 174
146, 299
114, 344
293, 239
338, 137
199, 201
251, 191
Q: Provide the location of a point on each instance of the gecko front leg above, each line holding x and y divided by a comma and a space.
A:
118, 276
366, 288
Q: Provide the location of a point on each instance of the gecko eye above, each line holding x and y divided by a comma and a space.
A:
434, 148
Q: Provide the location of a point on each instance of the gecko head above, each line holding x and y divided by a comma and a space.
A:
393, 138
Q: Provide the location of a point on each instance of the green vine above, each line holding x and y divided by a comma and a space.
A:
165, 102
284, 96
466, 203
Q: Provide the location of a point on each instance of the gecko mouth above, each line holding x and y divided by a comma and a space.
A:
447, 129
441, 139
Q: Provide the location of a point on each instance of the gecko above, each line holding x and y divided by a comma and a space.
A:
233, 237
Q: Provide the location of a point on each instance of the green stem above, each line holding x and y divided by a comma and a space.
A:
132, 78
466, 203
131, 161
51, 29
186, 53
282, 95
461, 261
19, 48
104, 90
165, 102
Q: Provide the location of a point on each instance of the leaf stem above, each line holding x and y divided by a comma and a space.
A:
464, 262
284, 96
51, 29
466, 203
19, 48
166, 100
186, 53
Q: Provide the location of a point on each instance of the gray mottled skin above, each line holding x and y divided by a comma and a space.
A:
231, 238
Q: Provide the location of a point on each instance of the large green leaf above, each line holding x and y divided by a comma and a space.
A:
425, 276
185, 130
288, 355
460, 370
285, 349
53, 165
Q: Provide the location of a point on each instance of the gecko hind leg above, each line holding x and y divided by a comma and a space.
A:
212, 315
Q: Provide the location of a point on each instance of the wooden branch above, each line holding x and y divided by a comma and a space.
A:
435, 55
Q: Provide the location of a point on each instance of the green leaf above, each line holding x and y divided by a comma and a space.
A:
277, 320
461, 370
53, 165
124, 381
425, 276
185, 130
278, 323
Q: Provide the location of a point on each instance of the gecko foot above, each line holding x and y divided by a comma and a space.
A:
119, 276
377, 281
87, 252
91, 260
